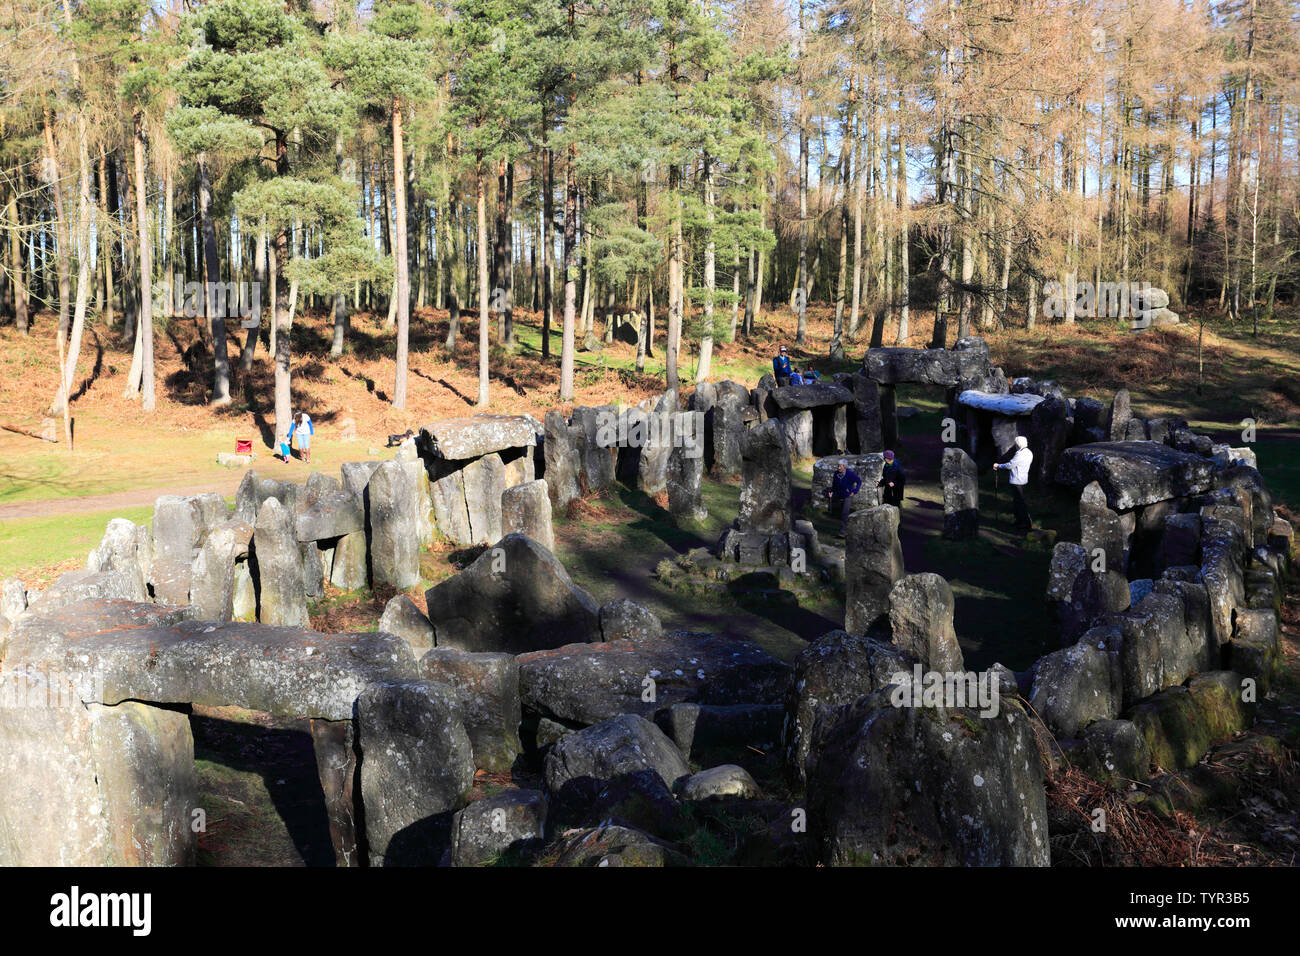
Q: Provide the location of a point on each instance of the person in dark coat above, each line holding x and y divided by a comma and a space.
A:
781, 367
845, 483
892, 481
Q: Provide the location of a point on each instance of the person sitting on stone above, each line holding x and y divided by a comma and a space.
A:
845, 483
893, 481
1019, 468
781, 367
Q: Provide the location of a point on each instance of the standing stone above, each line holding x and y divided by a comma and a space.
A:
279, 568
563, 461
243, 601
920, 616
212, 586
488, 685
652, 464
1118, 415
961, 495
765, 480
729, 428
402, 618
685, 474
1050, 425
180, 525
13, 598
348, 570
450, 514
125, 548
1101, 529
313, 569
598, 441
485, 480
394, 528
416, 763
864, 432
797, 426
526, 509
873, 563
89, 785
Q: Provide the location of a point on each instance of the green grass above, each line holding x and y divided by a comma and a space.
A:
36, 542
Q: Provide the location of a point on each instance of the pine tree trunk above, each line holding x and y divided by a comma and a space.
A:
401, 261
216, 318
145, 320
570, 274
483, 293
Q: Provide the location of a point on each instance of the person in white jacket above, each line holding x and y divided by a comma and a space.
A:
1019, 468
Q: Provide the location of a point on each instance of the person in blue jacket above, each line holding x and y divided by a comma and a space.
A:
781, 367
845, 483
305, 429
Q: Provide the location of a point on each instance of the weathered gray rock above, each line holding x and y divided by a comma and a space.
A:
961, 495
1050, 426
1079, 684
526, 510
394, 526
797, 429
281, 599
74, 586
622, 745
254, 490
1100, 530
888, 366
561, 450
1135, 473
613, 845
597, 444
402, 618
864, 425
514, 597
348, 570
488, 685
624, 619
180, 526
1114, 751
212, 586
474, 436
126, 548
1154, 653
729, 428
1118, 416
834, 670
919, 785
920, 617
765, 480
416, 764
511, 823
485, 483
873, 563
243, 594
324, 510
724, 782
684, 477
89, 785
1255, 650
13, 598
588, 683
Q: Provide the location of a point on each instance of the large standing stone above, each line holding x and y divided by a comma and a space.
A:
729, 428
394, 526
416, 764
348, 569
652, 463
488, 685
685, 476
765, 480
873, 562
598, 442
526, 510
485, 481
927, 786
797, 427
1118, 416
864, 422
1079, 684
324, 510
514, 597
1050, 426
212, 587
180, 526
88, 785
563, 459
126, 548
1100, 530
920, 616
961, 495
279, 568
610, 749
833, 670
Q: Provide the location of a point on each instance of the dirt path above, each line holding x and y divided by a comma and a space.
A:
53, 507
